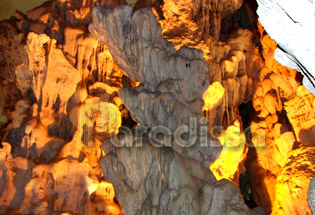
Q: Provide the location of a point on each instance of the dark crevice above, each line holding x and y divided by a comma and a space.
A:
127, 121
246, 191
247, 113
244, 18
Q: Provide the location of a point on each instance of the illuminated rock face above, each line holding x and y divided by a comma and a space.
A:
287, 21
229, 164
65, 186
173, 81
61, 99
62, 96
282, 167
193, 18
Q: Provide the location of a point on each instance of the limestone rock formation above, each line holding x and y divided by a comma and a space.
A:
179, 63
229, 164
65, 186
173, 83
163, 70
193, 18
177, 75
151, 180
284, 114
294, 180
61, 99
287, 21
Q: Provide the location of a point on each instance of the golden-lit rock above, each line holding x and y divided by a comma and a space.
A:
229, 164
188, 20
281, 169
213, 96
46, 168
182, 59
292, 183
65, 186
15, 174
301, 115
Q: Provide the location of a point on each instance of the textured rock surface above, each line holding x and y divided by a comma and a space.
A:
62, 98
150, 59
294, 180
283, 156
193, 18
179, 76
287, 21
173, 83
65, 186
233, 154
311, 195
152, 180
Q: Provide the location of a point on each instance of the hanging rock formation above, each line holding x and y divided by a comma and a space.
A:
170, 94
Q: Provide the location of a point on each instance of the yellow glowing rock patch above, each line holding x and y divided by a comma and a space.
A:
213, 96
233, 153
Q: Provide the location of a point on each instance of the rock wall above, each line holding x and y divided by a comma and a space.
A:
284, 114
173, 82
67, 92
60, 90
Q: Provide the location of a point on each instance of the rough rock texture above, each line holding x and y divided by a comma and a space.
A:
294, 180
61, 99
166, 183
164, 70
179, 76
173, 82
194, 18
65, 186
171, 92
287, 21
281, 165
180, 59
50, 129
311, 195
229, 164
